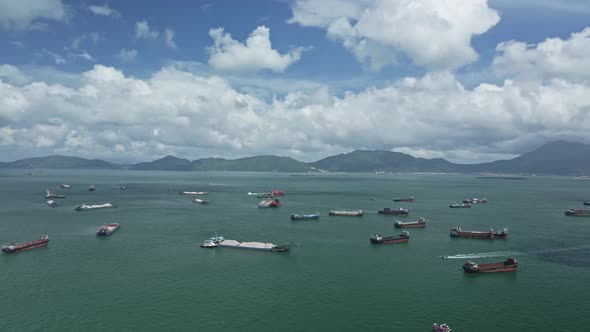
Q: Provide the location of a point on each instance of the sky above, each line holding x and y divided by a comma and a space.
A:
129, 81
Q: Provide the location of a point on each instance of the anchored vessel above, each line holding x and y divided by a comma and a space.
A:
378, 239
107, 230
52, 203
212, 242
49, 194
92, 188
83, 207
460, 205
14, 247
587, 203
310, 216
400, 211
253, 245
269, 203
491, 234
193, 193
410, 224
409, 199
508, 265
441, 327
577, 213
346, 213
475, 200
65, 186
276, 192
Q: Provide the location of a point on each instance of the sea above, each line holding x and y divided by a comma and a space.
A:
151, 275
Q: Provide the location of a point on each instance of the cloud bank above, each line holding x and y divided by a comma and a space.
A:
30, 14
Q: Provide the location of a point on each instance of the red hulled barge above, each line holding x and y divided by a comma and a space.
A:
491, 234
508, 265
10, 248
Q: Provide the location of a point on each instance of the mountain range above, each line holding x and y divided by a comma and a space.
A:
558, 158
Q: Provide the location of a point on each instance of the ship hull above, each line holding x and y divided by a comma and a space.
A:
484, 236
345, 214
407, 200
27, 247
410, 225
389, 241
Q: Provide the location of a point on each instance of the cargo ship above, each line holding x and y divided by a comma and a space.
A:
107, 230
193, 193
460, 205
378, 239
577, 213
441, 327
49, 194
253, 246
346, 213
410, 224
201, 201
508, 265
269, 203
10, 248
491, 234
475, 200
310, 216
83, 207
409, 199
400, 211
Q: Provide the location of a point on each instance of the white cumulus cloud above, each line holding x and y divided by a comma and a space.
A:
143, 31
228, 54
432, 33
104, 10
13, 75
569, 58
30, 14
169, 38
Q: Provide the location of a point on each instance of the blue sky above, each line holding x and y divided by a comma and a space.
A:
136, 80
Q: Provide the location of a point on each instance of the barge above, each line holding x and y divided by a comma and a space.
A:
193, 193
253, 246
346, 213
475, 200
378, 239
410, 224
10, 248
107, 230
50, 194
577, 213
400, 211
408, 199
84, 207
491, 234
311, 216
508, 265
460, 205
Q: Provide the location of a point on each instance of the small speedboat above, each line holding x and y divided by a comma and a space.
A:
441, 327
52, 203
65, 186
200, 201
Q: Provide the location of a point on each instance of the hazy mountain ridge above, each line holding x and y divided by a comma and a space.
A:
558, 158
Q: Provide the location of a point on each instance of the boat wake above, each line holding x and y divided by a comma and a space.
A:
513, 253
484, 254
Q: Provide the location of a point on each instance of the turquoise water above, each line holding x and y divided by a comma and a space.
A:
151, 275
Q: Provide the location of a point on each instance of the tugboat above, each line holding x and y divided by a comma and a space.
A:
10, 248
577, 213
378, 239
492, 234
409, 199
400, 211
441, 327
269, 203
346, 213
475, 200
107, 230
52, 203
410, 224
311, 216
508, 265
92, 188
217, 238
208, 244
460, 205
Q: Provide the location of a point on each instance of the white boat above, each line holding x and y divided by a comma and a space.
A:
52, 203
200, 201
253, 245
208, 244
217, 238
256, 194
65, 186
83, 207
193, 193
